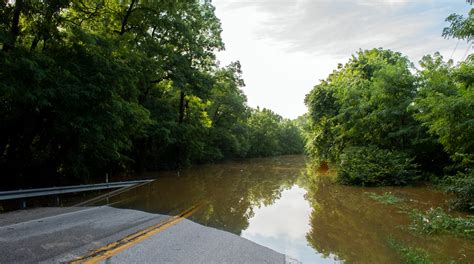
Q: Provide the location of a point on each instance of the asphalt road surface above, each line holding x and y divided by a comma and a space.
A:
110, 235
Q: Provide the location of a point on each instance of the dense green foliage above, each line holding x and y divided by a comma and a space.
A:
379, 118
272, 135
362, 120
368, 166
93, 87
444, 105
462, 185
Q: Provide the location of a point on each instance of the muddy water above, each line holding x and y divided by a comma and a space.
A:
284, 204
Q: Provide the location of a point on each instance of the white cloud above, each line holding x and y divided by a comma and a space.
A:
286, 46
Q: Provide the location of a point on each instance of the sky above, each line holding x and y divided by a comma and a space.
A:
286, 234
286, 47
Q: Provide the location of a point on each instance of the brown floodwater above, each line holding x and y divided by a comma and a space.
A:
285, 204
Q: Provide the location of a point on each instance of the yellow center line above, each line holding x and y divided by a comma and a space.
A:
115, 247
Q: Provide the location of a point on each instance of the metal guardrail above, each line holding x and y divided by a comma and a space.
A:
20, 194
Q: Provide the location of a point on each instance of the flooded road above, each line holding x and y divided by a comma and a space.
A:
284, 204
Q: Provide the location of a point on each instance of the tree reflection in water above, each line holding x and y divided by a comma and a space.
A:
344, 221
230, 191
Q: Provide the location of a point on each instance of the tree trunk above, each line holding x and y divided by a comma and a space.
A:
215, 116
15, 26
125, 18
180, 145
34, 44
181, 107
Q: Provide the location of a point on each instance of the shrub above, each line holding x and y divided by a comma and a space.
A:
462, 186
372, 166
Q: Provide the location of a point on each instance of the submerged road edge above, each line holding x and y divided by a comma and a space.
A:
69, 236
130, 240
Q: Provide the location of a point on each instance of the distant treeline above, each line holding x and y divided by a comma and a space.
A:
92, 87
384, 122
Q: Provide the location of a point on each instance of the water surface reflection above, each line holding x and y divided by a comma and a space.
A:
285, 205
283, 226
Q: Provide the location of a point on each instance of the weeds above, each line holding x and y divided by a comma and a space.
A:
437, 221
386, 198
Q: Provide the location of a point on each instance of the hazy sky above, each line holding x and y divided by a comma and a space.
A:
287, 46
